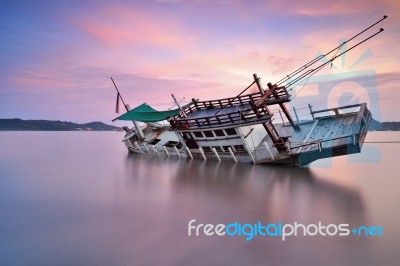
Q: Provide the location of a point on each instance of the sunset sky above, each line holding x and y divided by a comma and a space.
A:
57, 57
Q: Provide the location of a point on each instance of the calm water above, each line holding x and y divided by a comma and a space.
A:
79, 198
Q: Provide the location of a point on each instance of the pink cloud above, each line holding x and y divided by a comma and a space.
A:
43, 79
323, 8
117, 26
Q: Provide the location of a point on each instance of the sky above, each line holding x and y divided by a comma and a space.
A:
57, 57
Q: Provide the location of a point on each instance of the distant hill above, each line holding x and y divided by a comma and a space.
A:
17, 124
384, 126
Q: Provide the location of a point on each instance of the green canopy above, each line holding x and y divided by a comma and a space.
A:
145, 113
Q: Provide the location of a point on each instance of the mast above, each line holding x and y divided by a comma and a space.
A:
173, 97
135, 123
257, 80
306, 71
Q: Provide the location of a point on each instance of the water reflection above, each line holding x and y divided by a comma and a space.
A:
224, 192
88, 204
280, 192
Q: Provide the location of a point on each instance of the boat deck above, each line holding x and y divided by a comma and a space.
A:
229, 112
222, 116
321, 133
209, 112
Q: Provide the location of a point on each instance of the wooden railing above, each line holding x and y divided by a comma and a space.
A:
336, 109
220, 120
280, 95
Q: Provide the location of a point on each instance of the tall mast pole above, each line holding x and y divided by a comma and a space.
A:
120, 96
315, 60
135, 123
183, 113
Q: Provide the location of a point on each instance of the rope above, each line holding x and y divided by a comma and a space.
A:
252, 140
337, 50
304, 84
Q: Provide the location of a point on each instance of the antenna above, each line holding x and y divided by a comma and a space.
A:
120, 96
303, 71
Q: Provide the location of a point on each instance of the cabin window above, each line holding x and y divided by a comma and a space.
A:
219, 133
186, 135
206, 149
218, 148
230, 131
208, 134
239, 148
154, 141
179, 145
171, 144
226, 148
198, 134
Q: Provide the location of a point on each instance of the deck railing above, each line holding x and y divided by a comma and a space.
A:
220, 119
281, 95
244, 116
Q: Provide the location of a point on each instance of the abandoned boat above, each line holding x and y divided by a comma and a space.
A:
242, 128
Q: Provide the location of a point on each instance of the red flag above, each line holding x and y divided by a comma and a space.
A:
117, 105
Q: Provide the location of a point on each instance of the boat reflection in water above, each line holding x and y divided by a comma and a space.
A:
88, 204
222, 192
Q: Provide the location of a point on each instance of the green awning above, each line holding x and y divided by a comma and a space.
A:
145, 113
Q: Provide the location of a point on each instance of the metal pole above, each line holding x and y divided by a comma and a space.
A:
145, 146
138, 147
155, 150
166, 151
311, 112
177, 152
120, 96
297, 117
190, 154
202, 153
300, 69
280, 113
127, 109
269, 150
173, 97
257, 80
216, 153
233, 155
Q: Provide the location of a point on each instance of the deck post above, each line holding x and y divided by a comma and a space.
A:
257, 80
202, 153
216, 153
269, 150
177, 152
297, 117
155, 150
251, 155
233, 155
280, 113
138, 147
176, 102
180, 139
128, 143
190, 154
245, 144
288, 116
311, 111
289, 142
166, 151
138, 129
145, 146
